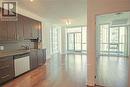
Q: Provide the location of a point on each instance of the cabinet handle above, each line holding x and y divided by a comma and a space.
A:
5, 76
4, 67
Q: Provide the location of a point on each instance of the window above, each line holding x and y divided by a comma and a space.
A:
112, 40
54, 34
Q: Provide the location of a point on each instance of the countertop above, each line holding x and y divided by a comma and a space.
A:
12, 53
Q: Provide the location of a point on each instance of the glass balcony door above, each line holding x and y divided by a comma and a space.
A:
74, 42
71, 41
76, 39
78, 42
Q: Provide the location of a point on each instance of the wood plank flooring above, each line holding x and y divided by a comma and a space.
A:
71, 70
60, 71
112, 71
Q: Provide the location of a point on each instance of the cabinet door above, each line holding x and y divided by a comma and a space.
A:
44, 56
6, 69
3, 30
33, 59
20, 28
34, 29
40, 31
40, 57
11, 30
27, 28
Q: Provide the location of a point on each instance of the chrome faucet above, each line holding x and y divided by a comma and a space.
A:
25, 47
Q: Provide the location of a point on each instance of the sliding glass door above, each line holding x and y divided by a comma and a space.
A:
74, 42
71, 41
78, 42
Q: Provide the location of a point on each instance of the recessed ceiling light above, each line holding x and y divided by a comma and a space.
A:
31, 0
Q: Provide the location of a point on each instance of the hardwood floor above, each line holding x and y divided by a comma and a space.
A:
60, 71
112, 71
70, 71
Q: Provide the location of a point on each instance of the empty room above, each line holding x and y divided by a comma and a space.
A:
64, 43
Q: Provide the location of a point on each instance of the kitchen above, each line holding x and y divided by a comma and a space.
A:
20, 47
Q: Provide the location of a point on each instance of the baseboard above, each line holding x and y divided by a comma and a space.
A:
95, 86
90, 86
99, 85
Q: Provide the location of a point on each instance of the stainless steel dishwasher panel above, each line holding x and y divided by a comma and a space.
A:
22, 64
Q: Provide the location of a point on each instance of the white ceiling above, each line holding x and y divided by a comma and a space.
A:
57, 11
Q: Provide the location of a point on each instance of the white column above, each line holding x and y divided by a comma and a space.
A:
91, 48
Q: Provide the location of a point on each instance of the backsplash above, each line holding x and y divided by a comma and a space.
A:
18, 45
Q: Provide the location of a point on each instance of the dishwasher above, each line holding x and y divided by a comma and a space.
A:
21, 64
